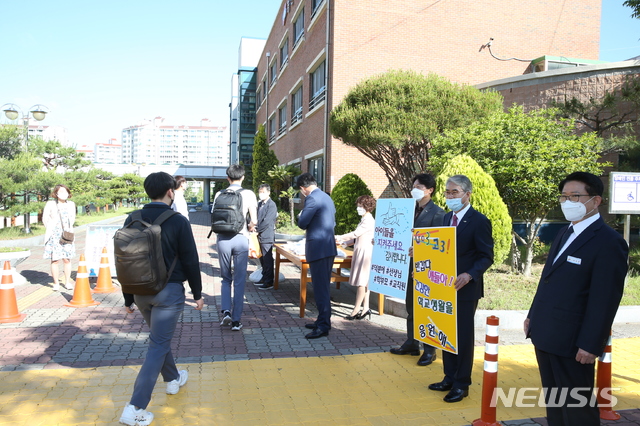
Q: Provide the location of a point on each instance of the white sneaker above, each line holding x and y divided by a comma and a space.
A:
226, 320
174, 386
135, 417
56, 287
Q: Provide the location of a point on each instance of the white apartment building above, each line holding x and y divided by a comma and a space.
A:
48, 133
153, 142
107, 153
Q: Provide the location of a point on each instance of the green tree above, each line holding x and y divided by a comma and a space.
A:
263, 159
527, 154
289, 195
280, 177
485, 199
126, 187
54, 155
16, 180
394, 117
344, 196
613, 110
10, 141
635, 6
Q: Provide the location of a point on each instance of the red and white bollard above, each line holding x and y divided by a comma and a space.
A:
604, 382
490, 377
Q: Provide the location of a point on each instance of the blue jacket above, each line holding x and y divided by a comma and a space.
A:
318, 218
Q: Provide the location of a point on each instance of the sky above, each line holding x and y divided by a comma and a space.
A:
103, 66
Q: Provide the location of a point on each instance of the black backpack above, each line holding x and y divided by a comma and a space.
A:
140, 266
226, 216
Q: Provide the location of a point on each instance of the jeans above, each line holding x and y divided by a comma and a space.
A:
161, 313
234, 249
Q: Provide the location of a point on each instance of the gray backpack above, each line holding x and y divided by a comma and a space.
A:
140, 266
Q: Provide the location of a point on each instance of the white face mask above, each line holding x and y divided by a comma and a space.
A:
62, 194
574, 211
263, 196
361, 211
417, 194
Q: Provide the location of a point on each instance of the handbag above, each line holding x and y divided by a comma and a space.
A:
67, 236
254, 246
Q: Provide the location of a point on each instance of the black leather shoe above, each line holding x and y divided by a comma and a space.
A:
456, 395
316, 333
310, 325
441, 386
427, 358
403, 351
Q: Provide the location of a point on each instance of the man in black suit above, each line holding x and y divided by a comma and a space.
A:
318, 219
266, 228
578, 295
427, 214
474, 255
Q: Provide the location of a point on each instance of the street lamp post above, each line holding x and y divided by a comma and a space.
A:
38, 112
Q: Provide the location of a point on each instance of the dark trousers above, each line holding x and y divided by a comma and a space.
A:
266, 261
411, 343
321, 277
560, 374
457, 368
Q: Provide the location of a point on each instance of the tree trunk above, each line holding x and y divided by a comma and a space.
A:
291, 211
531, 239
515, 255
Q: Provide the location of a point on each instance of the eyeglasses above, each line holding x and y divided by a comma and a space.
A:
455, 193
573, 197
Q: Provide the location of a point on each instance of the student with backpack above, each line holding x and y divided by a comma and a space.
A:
159, 295
232, 209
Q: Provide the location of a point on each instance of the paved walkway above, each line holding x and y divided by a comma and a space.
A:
63, 366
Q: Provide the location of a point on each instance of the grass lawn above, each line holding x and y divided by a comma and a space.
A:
17, 233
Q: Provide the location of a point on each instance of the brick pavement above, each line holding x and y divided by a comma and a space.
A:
76, 366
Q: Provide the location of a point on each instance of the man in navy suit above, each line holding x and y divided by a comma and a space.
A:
266, 228
318, 218
578, 295
474, 255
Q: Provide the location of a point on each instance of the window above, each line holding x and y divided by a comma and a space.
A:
282, 115
315, 4
298, 28
273, 70
296, 106
259, 96
317, 88
284, 53
316, 169
272, 129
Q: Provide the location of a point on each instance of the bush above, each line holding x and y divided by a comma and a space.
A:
485, 199
344, 196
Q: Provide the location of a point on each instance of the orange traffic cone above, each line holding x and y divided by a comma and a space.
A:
82, 292
105, 283
8, 302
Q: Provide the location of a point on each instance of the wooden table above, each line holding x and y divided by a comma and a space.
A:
285, 256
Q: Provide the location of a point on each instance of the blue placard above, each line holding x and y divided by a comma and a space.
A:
391, 242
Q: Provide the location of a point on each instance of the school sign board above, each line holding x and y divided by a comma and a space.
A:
624, 191
435, 298
391, 242
99, 237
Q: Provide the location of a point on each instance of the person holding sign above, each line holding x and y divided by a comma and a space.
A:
577, 298
427, 214
362, 251
318, 218
474, 255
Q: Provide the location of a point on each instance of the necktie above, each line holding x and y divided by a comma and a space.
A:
564, 238
454, 222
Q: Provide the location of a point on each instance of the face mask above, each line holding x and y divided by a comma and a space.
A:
574, 211
417, 194
263, 196
454, 204
361, 211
